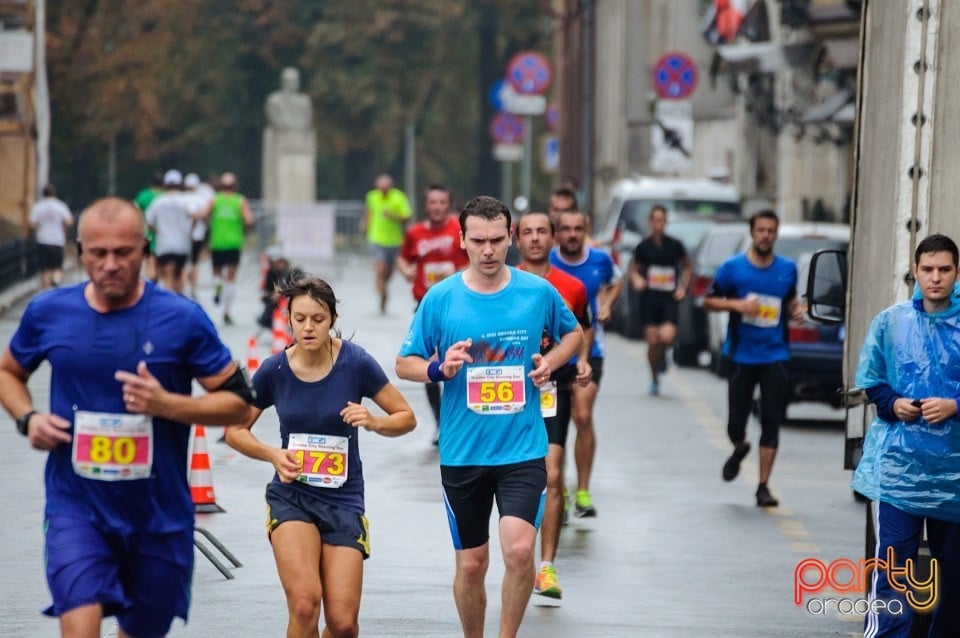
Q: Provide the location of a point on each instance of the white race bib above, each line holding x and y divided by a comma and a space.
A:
548, 399
663, 278
496, 389
112, 447
769, 316
323, 458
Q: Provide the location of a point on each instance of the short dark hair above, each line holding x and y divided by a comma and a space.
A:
563, 191
437, 187
766, 213
489, 208
49, 191
658, 207
935, 244
553, 229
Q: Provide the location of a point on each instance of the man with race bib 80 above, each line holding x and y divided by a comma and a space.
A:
759, 290
487, 323
431, 252
123, 355
661, 272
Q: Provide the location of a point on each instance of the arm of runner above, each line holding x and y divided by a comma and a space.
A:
248, 217
143, 394
686, 274
584, 369
415, 368
44, 431
398, 420
544, 365
407, 269
606, 298
242, 439
638, 281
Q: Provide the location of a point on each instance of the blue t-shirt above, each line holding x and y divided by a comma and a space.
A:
596, 270
85, 348
762, 339
313, 407
482, 420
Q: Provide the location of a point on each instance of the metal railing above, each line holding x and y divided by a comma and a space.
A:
18, 261
348, 218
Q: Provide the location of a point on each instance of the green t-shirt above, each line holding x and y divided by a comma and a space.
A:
142, 201
226, 222
381, 229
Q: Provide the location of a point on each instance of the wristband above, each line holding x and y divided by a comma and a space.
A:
435, 372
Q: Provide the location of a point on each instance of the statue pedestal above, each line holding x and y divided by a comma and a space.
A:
289, 166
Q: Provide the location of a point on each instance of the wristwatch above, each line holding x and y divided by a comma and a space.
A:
24, 421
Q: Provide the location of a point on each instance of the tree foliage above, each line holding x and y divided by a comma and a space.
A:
183, 83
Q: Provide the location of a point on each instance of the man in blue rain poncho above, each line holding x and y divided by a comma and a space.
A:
910, 368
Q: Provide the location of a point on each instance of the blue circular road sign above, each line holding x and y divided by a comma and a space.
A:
675, 76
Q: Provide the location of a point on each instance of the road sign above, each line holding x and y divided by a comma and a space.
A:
508, 152
671, 137
675, 76
506, 128
498, 94
553, 117
550, 159
529, 73
524, 104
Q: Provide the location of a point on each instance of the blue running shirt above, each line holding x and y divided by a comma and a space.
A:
176, 339
596, 270
490, 413
763, 339
313, 407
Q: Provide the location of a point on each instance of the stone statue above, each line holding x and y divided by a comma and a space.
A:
289, 144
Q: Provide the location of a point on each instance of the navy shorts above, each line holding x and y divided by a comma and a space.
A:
49, 257
559, 425
658, 308
337, 526
221, 258
469, 492
141, 578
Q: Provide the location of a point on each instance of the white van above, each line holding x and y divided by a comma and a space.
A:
693, 205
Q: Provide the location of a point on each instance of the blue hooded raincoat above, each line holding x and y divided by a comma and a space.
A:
913, 466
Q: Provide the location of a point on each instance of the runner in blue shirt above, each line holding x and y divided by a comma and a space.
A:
603, 282
123, 354
315, 509
487, 323
759, 290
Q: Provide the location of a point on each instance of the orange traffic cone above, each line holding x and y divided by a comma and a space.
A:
201, 476
252, 361
280, 329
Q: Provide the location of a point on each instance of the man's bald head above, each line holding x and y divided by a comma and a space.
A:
114, 211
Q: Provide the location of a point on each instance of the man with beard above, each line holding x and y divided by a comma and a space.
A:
759, 290
602, 279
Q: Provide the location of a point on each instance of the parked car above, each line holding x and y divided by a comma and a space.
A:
693, 334
623, 223
815, 369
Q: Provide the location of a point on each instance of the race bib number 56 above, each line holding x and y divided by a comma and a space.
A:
496, 390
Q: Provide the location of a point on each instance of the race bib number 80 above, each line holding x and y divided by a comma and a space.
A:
112, 447
496, 390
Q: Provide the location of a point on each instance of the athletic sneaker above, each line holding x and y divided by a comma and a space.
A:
732, 467
546, 583
217, 293
654, 389
765, 498
583, 507
227, 320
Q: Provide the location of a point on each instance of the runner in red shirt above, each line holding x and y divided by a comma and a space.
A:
431, 252
535, 240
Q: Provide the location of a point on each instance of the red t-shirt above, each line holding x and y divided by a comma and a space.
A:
574, 294
436, 253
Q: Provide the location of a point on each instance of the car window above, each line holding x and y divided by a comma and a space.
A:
689, 231
635, 212
718, 247
795, 247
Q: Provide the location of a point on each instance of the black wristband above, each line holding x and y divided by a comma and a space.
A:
24, 421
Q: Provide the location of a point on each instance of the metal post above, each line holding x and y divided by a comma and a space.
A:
409, 161
506, 183
527, 153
